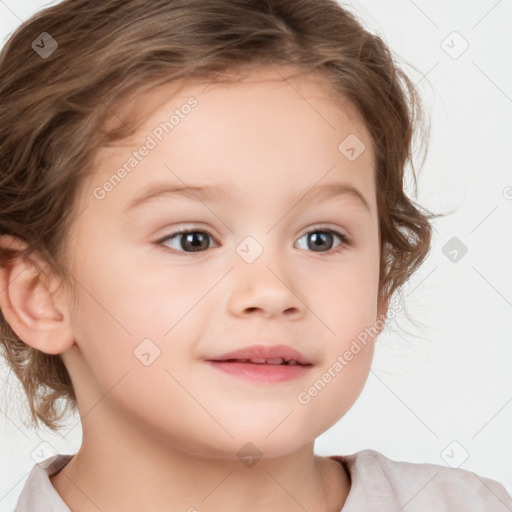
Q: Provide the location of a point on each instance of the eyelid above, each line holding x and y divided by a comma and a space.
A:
326, 227
182, 230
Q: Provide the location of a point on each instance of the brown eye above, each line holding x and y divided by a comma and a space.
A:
322, 240
188, 241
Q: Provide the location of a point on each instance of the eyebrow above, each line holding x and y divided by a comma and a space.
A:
161, 190
217, 193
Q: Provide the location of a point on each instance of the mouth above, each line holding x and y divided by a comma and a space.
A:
263, 363
273, 361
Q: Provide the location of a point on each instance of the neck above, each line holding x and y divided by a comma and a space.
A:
123, 469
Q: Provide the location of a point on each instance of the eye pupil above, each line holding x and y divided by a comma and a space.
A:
194, 241
318, 239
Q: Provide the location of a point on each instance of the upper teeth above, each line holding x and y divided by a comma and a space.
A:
262, 360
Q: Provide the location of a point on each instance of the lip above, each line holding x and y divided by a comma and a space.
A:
234, 364
264, 351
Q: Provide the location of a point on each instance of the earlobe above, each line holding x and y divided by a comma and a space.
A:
27, 302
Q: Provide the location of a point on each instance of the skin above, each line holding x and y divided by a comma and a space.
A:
169, 433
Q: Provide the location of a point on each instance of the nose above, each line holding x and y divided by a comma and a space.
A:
264, 291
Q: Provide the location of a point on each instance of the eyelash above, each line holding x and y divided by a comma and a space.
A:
345, 240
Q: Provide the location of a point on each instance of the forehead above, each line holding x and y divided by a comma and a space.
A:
248, 87
245, 75
274, 127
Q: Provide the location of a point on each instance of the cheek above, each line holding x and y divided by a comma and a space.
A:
132, 297
125, 309
348, 306
344, 297
335, 388
343, 372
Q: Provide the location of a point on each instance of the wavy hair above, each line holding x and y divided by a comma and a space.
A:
54, 107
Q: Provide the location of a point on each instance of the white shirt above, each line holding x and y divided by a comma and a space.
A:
378, 484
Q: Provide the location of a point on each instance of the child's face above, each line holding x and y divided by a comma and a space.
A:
269, 147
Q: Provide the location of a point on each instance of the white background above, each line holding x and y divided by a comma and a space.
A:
445, 381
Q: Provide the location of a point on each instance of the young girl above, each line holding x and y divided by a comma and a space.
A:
170, 172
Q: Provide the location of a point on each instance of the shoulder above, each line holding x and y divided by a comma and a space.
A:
38, 492
421, 486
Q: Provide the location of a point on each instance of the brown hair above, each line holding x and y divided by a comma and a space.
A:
53, 110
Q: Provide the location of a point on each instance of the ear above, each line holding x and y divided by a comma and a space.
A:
28, 303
